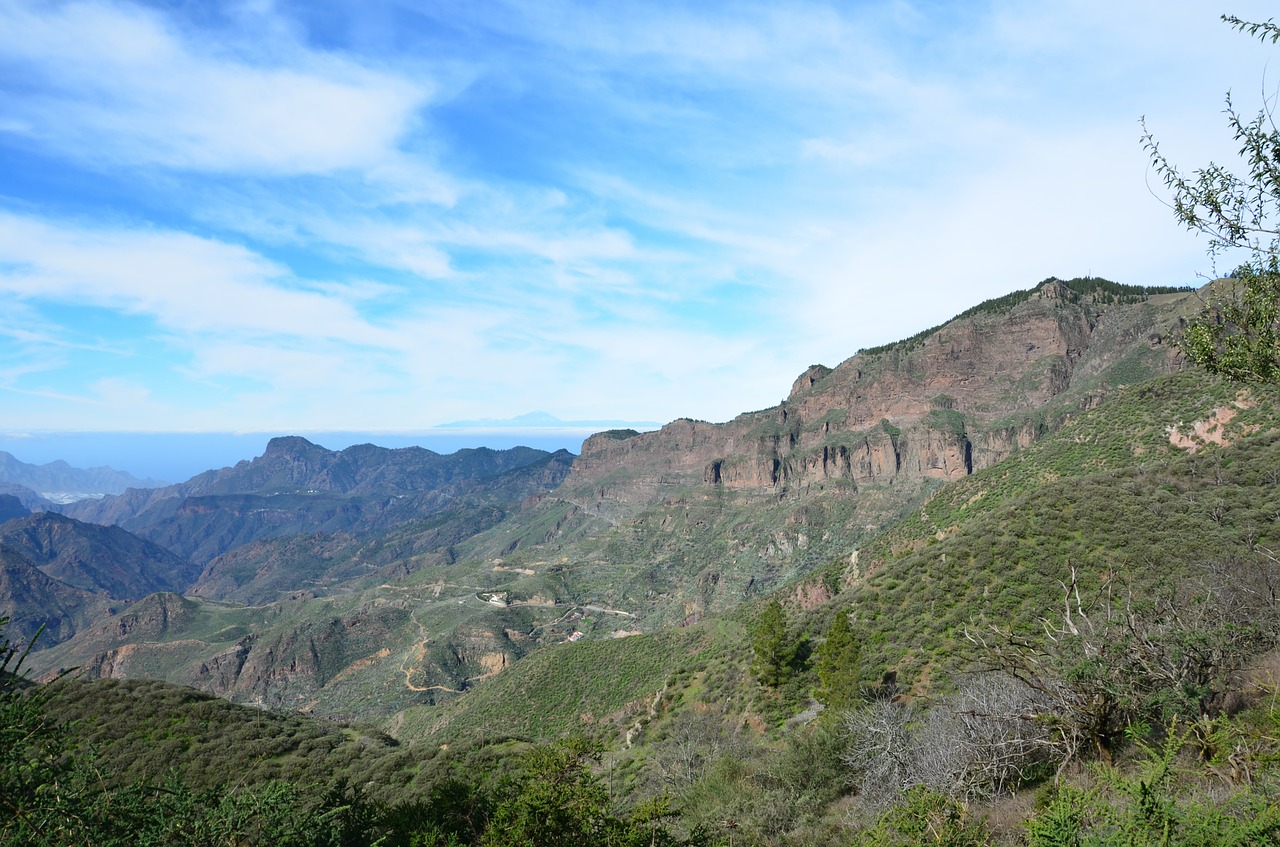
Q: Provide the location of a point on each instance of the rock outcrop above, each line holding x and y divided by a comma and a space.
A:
938, 406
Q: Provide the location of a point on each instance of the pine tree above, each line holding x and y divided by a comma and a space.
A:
773, 653
838, 665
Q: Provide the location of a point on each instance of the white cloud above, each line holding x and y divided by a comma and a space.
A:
186, 283
108, 83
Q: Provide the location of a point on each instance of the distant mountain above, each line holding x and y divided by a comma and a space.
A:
61, 483
272, 567
30, 500
63, 574
296, 487
32, 599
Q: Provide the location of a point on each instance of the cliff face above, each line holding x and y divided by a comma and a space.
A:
937, 407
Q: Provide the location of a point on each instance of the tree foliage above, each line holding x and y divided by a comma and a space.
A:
1149, 807
838, 665
558, 801
1238, 335
773, 652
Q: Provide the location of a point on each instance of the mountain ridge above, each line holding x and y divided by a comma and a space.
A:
297, 486
57, 481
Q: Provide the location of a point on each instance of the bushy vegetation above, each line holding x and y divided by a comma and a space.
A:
54, 791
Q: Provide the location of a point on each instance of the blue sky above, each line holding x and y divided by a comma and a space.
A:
379, 216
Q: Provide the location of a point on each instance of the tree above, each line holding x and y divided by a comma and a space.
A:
559, 802
838, 667
773, 653
1238, 335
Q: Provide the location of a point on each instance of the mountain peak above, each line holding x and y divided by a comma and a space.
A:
292, 445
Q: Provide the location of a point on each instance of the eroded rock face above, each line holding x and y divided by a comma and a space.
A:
940, 407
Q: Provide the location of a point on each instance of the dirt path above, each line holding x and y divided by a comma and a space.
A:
408, 671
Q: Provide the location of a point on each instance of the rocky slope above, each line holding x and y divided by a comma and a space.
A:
354, 656
33, 600
401, 539
63, 574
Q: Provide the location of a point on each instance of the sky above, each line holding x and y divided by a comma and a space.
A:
355, 215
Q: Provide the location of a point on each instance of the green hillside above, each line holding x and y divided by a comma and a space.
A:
1148, 499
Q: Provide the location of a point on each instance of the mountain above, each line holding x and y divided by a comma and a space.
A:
269, 568
1166, 490
646, 530
27, 498
32, 599
317, 537
924, 492
59, 482
65, 574
296, 487
938, 406
104, 560
698, 517
11, 507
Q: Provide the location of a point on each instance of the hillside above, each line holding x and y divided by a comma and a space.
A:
34, 602
100, 559
63, 574
1126, 493
11, 507
697, 517
1141, 491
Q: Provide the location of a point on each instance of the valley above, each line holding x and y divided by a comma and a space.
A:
461, 609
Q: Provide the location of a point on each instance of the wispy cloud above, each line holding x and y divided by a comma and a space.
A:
118, 84
389, 215
186, 283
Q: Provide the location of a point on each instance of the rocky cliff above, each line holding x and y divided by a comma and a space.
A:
938, 406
